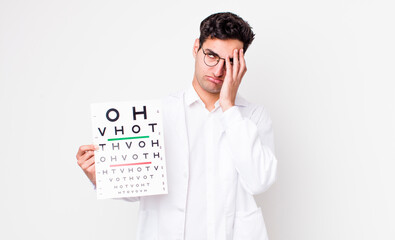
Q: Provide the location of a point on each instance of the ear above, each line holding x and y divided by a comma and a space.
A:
195, 47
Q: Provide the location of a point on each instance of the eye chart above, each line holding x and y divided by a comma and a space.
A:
130, 161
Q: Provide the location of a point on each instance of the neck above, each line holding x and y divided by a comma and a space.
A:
207, 98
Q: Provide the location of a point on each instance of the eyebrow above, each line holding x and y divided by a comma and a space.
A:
216, 54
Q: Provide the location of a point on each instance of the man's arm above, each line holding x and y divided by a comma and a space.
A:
252, 148
251, 144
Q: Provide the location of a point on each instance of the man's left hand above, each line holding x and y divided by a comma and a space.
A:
232, 80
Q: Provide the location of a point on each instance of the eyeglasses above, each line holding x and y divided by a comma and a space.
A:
212, 59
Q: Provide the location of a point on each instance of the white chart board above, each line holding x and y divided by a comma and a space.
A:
130, 161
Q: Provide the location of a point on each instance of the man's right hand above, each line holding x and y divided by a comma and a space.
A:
86, 160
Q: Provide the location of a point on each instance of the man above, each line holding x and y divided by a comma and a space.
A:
219, 147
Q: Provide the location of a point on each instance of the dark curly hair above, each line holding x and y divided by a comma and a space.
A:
226, 25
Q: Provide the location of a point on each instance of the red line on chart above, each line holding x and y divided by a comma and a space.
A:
130, 164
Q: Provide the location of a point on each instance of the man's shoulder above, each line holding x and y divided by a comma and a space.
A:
173, 98
251, 110
173, 102
243, 103
176, 95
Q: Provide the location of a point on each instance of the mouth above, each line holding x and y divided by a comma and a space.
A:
214, 80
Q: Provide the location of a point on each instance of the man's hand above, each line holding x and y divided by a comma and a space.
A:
86, 160
232, 80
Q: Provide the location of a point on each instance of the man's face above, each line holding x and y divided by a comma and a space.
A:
210, 79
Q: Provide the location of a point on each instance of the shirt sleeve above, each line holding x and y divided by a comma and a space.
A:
252, 147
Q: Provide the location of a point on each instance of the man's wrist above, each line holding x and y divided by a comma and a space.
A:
226, 105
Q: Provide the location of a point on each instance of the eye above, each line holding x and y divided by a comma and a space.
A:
211, 56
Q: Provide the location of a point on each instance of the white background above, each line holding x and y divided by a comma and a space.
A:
324, 69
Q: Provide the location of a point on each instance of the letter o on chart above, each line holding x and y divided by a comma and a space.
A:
112, 118
134, 128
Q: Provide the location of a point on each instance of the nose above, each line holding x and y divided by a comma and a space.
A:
220, 68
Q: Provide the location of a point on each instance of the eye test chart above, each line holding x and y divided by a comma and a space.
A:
130, 161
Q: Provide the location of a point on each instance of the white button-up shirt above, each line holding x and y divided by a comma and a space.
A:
198, 120
216, 162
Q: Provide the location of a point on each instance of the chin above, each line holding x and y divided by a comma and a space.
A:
213, 90
210, 87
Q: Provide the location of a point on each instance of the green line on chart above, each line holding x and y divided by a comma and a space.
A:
127, 138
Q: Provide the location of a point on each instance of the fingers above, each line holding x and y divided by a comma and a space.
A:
91, 169
88, 162
239, 65
84, 148
87, 155
236, 64
228, 67
243, 66
91, 173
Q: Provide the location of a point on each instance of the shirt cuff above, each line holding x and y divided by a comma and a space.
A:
230, 117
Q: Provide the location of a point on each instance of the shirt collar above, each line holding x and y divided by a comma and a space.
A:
191, 97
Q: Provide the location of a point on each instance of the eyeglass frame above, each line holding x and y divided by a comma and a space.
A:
219, 59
